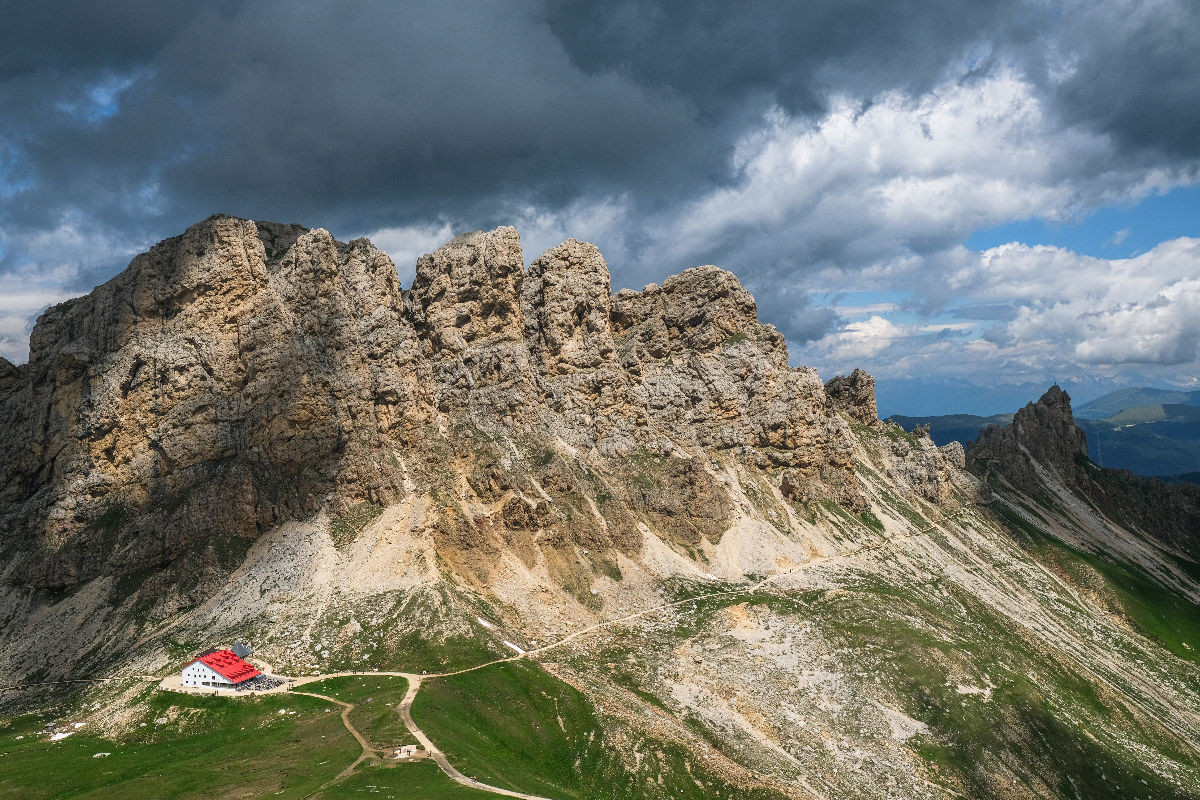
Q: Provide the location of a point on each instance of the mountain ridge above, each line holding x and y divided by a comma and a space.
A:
1161, 441
1043, 435
1114, 402
271, 362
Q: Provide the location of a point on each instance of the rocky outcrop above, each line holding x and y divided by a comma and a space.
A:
210, 391
566, 300
10, 376
1043, 432
854, 395
930, 472
465, 306
244, 374
707, 370
566, 297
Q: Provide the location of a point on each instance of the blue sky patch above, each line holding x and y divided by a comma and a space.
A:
1117, 231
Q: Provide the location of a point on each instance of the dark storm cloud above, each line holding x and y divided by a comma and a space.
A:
326, 113
721, 54
359, 113
1136, 73
792, 311
138, 118
65, 36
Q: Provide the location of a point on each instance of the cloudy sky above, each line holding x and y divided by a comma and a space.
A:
968, 199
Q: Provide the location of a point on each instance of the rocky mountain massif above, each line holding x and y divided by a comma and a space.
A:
243, 375
255, 432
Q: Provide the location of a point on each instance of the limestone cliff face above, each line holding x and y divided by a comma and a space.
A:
225, 382
566, 302
704, 366
244, 374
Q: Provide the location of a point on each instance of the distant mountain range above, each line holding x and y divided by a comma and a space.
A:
1115, 402
1146, 431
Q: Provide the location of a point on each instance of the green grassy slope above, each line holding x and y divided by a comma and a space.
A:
375, 698
1040, 714
420, 780
517, 727
217, 747
1044, 718
1158, 612
1046, 721
210, 747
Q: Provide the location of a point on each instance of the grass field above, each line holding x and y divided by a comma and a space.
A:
210, 747
1158, 612
218, 747
375, 698
420, 780
1036, 699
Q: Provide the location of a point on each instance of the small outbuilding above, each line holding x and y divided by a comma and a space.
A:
218, 669
407, 751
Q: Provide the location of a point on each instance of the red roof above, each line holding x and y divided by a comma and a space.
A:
227, 664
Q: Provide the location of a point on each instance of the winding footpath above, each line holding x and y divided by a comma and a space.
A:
370, 752
405, 709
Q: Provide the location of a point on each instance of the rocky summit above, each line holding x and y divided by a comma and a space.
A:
620, 545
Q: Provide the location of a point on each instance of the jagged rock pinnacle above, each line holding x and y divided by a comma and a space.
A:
855, 395
1043, 432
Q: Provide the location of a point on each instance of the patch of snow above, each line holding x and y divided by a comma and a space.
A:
58, 737
484, 622
520, 652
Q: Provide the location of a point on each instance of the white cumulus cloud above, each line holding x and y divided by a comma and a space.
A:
47, 267
407, 243
867, 193
1068, 314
